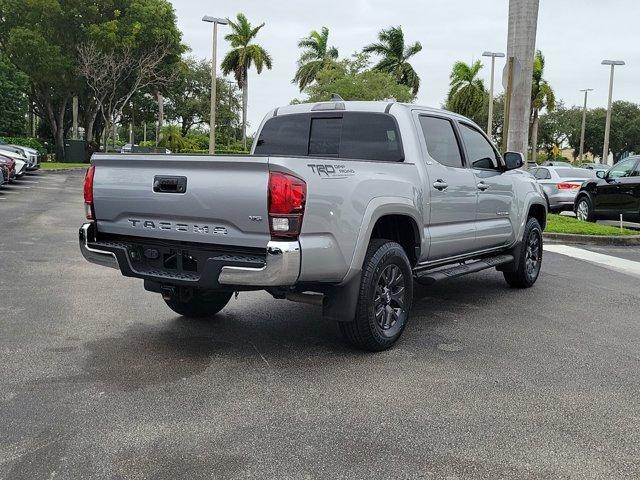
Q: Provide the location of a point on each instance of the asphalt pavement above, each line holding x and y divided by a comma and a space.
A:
99, 379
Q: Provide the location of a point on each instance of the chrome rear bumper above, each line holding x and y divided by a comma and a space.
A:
99, 257
282, 268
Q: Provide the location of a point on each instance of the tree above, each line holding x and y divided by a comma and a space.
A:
542, 96
189, 99
560, 127
467, 95
41, 38
115, 76
395, 57
317, 55
243, 54
625, 128
13, 99
352, 80
189, 95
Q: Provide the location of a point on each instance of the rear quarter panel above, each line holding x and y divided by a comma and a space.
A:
344, 199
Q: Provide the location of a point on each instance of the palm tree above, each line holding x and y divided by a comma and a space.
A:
395, 56
542, 96
316, 56
467, 93
242, 55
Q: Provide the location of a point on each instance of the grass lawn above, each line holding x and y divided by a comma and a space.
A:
563, 224
60, 165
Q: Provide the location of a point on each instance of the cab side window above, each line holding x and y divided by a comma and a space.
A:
441, 141
481, 153
636, 171
542, 174
622, 169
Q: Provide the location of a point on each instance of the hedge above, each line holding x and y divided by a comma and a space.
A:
26, 142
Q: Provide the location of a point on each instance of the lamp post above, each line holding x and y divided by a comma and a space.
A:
493, 56
212, 116
607, 128
584, 121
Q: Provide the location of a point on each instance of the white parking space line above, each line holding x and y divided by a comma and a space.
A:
608, 261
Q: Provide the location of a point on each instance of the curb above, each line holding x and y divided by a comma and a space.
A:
567, 238
62, 170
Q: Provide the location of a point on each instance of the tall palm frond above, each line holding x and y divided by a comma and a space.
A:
316, 56
467, 93
395, 55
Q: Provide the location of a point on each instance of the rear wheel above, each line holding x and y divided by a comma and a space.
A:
385, 298
584, 210
530, 259
200, 304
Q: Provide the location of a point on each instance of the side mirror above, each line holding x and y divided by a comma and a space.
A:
601, 174
513, 160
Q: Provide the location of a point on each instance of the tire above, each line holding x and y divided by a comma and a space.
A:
200, 305
584, 210
530, 259
386, 288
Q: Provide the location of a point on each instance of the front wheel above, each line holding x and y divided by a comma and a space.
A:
200, 304
529, 261
384, 300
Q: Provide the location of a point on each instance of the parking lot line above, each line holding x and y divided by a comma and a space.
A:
608, 261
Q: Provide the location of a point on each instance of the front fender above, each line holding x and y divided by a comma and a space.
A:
379, 207
531, 198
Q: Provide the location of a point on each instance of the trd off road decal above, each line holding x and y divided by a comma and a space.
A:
327, 170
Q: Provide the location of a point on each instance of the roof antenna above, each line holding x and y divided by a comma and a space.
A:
336, 98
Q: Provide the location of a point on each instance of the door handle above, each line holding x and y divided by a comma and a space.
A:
482, 186
440, 184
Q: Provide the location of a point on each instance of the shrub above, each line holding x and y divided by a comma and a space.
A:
26, 142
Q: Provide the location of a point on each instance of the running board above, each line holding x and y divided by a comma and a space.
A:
429, 277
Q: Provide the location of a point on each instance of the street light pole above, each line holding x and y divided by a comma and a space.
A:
584, 121
493, 56
212, 114
607, 128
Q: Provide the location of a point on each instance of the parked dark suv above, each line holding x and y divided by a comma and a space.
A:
614, 192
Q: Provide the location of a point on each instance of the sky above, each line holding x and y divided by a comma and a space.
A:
574, 35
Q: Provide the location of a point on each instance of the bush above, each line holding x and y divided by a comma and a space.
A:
26, 142
198, 141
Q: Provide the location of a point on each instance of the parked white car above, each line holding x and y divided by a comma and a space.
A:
21, 161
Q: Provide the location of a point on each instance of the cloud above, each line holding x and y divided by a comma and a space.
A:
570, 34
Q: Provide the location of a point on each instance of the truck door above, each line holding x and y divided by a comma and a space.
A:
494, 189
451, 189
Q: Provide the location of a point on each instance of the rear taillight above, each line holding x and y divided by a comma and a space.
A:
287, 195
568, 186
88, 193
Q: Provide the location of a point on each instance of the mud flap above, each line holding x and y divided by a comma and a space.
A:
342, 300
516, 251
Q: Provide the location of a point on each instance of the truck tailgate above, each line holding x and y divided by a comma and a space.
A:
220, 200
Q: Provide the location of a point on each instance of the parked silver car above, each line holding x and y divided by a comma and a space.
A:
561, 185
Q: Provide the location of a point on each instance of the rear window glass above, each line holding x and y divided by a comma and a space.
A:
285, 135
574, 173
324, 139
351, 135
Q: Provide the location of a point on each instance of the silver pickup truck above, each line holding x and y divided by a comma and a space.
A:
340, 204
